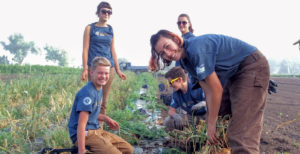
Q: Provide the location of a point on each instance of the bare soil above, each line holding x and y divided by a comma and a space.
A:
281, 129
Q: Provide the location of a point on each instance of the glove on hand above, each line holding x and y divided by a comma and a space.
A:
272, 87
178, 122
198, 106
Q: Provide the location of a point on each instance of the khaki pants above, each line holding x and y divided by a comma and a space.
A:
244, 97
103, 142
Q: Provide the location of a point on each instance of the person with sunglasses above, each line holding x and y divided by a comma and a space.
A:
234, 76
185, 26
99, 41
184, 97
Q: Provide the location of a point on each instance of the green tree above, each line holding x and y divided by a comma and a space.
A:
4, 60
56, 55
19, 48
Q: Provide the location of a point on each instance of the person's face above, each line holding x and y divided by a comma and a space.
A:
100, 75
183, 25
167, 49
176, 83
105, 14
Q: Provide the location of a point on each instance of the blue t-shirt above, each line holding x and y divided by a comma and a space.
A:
189, 99
211, 52
186, 36
87, 99
100, 43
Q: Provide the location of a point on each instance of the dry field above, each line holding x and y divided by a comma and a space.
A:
281, 130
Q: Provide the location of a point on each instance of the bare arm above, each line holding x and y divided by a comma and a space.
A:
117, 68
213, 92
83, 118
110, 122
86, 45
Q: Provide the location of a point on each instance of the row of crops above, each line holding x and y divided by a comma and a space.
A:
34, 110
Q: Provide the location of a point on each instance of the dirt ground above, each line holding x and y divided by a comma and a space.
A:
281, 130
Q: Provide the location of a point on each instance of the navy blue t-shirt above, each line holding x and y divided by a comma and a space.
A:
187, 100
211, 52
100, 43
186, 36
87, 99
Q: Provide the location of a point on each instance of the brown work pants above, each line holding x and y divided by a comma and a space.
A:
103, 142
244, 97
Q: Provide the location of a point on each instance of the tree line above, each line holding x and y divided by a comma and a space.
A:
20, 49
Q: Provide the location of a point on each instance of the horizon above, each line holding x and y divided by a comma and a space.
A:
271, 26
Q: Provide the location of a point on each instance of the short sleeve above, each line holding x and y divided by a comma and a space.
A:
85, 103
203, 62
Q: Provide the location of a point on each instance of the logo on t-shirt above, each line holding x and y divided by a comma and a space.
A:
87, 101
200, 69
100, 34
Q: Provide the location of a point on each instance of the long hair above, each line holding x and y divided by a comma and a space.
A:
189, 20
156, 59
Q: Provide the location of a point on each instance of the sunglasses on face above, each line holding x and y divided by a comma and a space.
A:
171, 82
106, 12
181, 22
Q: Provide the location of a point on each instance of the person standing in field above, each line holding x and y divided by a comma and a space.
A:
84, 128
234, 76
98, 40
185, 26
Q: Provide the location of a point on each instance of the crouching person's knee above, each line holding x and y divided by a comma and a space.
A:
128, 150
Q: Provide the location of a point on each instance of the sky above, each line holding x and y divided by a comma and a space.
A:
270, 25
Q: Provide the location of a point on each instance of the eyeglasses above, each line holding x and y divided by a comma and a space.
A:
171, 82
181, 22
106, 12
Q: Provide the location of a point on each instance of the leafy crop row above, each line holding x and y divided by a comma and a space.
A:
34, 111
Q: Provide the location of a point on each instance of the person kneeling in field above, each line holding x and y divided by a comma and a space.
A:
84, 128
186, 96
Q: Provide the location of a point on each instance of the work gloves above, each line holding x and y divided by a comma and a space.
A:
178, 121
272, 87
198, 106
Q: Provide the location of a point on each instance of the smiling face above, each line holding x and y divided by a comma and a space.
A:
104, 14
100, 76
176, 83
183, 24
168, 49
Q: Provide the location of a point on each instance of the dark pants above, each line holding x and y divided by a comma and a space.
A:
244, 97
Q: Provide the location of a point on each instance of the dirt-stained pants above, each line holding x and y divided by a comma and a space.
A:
244, 97
103, 142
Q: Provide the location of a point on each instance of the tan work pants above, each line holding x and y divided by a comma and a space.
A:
103, 142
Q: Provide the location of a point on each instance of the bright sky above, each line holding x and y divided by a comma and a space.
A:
271, 25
